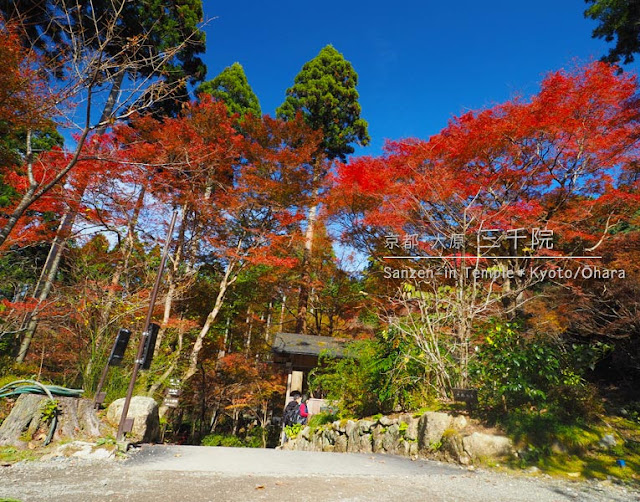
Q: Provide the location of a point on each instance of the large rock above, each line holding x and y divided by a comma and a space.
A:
351, 430
403, 448
377, 434
479, 445
146, 421
340, 445
386, 421
303, 444
316, 440
23, 421
608, 441
290, 444
330, 435
454, 449
366, 444
328, 439
404, 418
82, 449
391, 438
459, 423
364, 426
411, 433
339, 426
431, 428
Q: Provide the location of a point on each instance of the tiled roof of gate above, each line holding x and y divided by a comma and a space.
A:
311, 345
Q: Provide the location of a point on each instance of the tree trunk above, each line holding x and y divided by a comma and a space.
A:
76, 418
168, 372
223, 351
303, 298
214, 418
203, 401
282, 310
249, 323
45, 282
226, 281
267, 329
172, 279
236, 421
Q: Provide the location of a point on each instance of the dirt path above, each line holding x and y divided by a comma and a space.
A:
191, 473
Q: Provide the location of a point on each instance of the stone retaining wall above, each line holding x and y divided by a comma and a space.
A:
433, 434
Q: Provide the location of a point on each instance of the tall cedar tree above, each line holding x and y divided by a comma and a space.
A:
325, 92
232, 88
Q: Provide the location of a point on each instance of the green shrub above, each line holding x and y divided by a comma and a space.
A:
320, 419
293, 430
576, 438
222, 440
347, 381
512, 372
253, 439
379, 375
232, 441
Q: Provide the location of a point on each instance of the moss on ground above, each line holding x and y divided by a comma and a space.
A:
574, 452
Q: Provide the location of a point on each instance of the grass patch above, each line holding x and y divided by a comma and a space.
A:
9, 454
106, 441
434, 406
444, 407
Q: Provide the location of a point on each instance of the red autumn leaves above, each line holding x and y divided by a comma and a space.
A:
559, 160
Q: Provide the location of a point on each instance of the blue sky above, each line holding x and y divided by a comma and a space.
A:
419, 62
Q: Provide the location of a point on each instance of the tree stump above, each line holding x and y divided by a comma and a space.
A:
26, 426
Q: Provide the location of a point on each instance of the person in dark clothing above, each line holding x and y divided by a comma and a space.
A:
292, 413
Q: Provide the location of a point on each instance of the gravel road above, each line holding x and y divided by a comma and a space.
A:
194, 473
